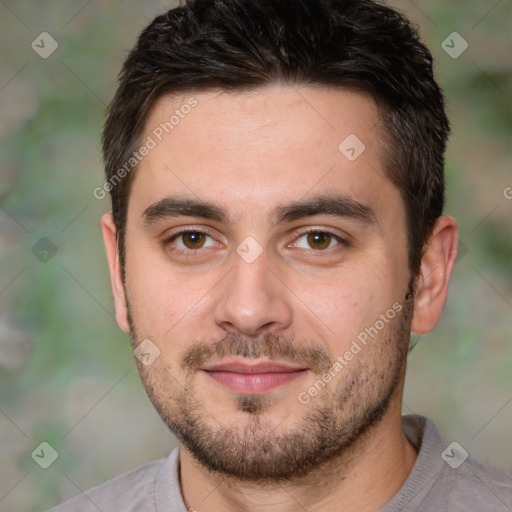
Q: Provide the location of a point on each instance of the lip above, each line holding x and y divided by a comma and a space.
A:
253, 377
245, 366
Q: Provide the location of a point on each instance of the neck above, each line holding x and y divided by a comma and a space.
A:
363, 479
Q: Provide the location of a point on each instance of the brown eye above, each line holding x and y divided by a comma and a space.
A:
190, 240
193, 239
319, 240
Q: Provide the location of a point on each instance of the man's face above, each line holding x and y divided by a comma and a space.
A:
299, 262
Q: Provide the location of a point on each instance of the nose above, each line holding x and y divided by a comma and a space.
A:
253, 301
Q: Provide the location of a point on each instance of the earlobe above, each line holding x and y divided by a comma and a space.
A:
109, 233
435, 272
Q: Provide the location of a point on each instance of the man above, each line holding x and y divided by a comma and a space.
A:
276, 234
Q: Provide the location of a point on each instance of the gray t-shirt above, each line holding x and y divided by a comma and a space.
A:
442, 479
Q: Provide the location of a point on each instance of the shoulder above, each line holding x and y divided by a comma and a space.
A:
130, 491
463, 483
447, 478
477, 486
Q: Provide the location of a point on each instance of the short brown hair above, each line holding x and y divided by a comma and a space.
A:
359, 45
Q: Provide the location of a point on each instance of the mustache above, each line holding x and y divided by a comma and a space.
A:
271, 346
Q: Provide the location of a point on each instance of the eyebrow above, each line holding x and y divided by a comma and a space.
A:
334, 205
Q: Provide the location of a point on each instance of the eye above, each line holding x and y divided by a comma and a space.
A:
190, 240
193, 240
318, 240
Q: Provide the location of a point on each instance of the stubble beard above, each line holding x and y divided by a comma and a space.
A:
327, 428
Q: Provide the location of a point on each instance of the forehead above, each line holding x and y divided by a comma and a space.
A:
255, 149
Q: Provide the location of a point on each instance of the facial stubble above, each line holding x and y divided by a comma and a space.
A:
257, 449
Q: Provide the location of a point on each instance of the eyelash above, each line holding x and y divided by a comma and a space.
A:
340, 240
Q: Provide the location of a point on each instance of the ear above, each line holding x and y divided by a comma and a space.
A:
109, 232
434, 276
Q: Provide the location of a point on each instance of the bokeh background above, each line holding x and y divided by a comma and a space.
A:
67, 373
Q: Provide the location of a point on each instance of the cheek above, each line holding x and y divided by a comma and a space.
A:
155, 297
344, 305
165, 302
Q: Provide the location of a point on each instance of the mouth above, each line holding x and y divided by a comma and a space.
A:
253, 377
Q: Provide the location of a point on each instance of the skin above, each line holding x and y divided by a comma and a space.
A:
250, 153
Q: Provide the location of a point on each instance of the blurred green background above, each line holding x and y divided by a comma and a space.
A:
67, 373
